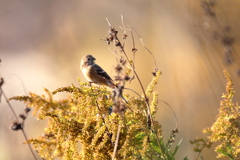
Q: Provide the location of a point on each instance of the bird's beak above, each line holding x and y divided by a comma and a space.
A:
94, 58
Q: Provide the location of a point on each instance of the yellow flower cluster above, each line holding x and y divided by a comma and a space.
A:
226, 128
81, 126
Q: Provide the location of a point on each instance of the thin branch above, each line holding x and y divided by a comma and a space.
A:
133, 91
113, 52
124, 28
226, 40
134, 48
22, 83
200, 152
9, 104
140, 83
116, 142
102, 118
108, 132
108, 22
29, 146
155, 63
124, 32
17, 119
172, 112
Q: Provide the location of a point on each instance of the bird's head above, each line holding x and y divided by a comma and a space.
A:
87, 60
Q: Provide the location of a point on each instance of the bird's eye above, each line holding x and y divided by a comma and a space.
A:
88, 59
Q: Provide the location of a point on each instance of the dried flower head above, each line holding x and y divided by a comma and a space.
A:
208, 8
22, 116
123, 61
1, 82
154, 73
175, 130
134, 50
16, 126
27, 109
118, 68
117, 78
228, 41
227, 29
124, 36
126, 78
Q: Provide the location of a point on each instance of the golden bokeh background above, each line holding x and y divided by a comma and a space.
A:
42, 42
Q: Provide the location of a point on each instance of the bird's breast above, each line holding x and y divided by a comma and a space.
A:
86, 73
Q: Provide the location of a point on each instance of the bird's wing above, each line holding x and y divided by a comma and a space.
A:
101, 72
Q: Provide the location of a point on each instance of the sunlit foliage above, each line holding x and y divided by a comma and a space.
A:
226, 129
82, 127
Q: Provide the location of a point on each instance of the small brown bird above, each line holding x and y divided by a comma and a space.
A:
94, 73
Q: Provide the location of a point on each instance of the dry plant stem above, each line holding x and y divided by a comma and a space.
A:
148, 107
147, 102
10, 106
163, 102
133, 46
224, 34
155, 63
116, 142
133, 91
172, 112
22, 83
25, 136
135, 73
108, 132
141, 85
113, 52
15, 115
200, 152
124, 29
102, 117
104, 122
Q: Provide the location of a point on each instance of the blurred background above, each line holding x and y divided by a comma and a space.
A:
42, 42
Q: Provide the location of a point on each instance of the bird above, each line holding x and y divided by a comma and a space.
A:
95, 74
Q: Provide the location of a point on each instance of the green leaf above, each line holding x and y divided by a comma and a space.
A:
177, 147
224, 152
186, 158
140, 135
156, 147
